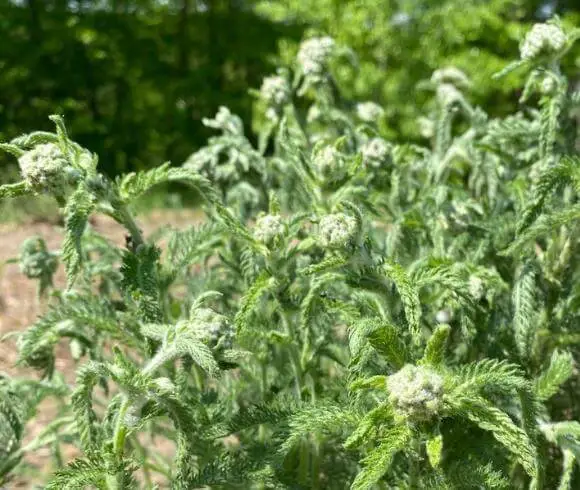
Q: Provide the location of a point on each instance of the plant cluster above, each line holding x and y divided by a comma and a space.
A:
353, 313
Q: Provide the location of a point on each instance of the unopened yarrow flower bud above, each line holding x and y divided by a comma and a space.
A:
415, 392
314, 55
36, 261
476, 287
451, 75
213, 328
426, 127
375, 151
443, 316
329, 163
313, 114
542, 40
369, 112
548, 85
448, 94
268, 228
44, 169
275, 90
337, 230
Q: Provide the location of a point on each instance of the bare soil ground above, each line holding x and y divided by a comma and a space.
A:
19, 308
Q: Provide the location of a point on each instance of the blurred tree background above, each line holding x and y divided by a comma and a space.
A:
134, 77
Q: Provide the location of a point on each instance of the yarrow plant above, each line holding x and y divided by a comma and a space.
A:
353, 312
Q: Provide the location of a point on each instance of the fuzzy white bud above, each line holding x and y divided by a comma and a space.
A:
375, 151
451, 75
542, 40
226, 121
314, 55
548, 85
36, 261
268, 228
448, 94
415, 392
337, 230
426, 127
314, 114
213, 328
275, 90
44, 168
443, 316
476, 287
369, 112
329, 163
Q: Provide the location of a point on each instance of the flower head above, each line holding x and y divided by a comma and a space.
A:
329, 163
415, 392
542, 40
476, 287
268, 228
45, 168
375, 151
35, 259
448, 94
314, 55
369, 111
337, 230
548, 85
275, 90
213, 328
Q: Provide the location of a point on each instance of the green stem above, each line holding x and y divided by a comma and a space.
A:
126, 219
115, 482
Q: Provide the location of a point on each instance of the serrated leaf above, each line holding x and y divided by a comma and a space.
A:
379, 459
409, 296
434, 447
18, 189
560, 369
77, 211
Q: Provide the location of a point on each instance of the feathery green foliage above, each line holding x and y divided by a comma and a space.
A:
352, 312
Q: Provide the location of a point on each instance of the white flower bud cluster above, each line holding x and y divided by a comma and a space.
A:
448, 94
451, 75
329, 163
314, 114
268, 228
35, 259
426, 127
415, 392
314, 55
275, 90
213, 328
542, 40
476, 287
45, 168
369, 112
548, 85
337, 230
375, 151
443, 316
226, 121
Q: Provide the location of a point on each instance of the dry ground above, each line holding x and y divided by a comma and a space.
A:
19, 308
